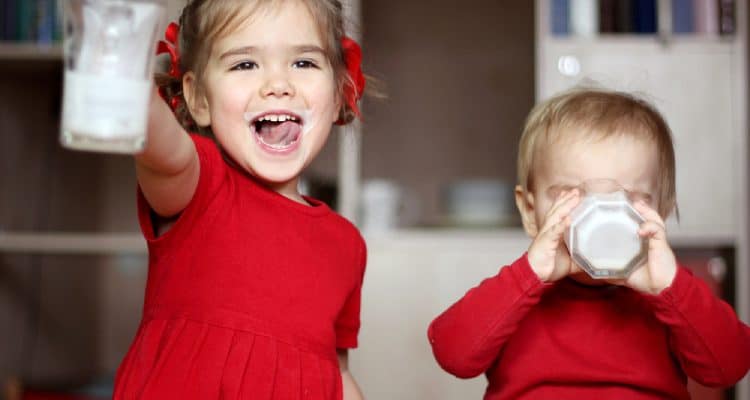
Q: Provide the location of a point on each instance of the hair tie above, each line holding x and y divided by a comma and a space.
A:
171, 47
355, 86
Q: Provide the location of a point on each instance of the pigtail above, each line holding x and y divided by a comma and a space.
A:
169, 84
170, 89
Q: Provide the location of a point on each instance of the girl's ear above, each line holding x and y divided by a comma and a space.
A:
196, 103
525, 204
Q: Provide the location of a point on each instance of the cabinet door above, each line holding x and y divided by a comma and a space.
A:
410, 280
691, 84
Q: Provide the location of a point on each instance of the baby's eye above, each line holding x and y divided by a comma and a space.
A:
305, 64
244, 66
555, 191
634, 197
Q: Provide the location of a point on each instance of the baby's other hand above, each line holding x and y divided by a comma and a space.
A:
658, 272
547, 254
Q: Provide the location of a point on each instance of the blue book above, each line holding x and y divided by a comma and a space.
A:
644, 16
683, 16
559, 15
45, 20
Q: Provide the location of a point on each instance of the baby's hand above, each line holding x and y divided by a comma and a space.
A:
547, 254
661, 267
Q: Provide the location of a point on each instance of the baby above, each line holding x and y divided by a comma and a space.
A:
543, 328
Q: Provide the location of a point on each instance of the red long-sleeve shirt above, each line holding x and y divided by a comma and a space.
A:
570, 341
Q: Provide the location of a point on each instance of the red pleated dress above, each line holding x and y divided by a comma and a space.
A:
249, 295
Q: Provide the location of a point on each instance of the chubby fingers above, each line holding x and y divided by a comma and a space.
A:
654, 226
557, 216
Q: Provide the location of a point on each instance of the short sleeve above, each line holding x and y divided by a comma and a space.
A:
212, 171
348, 322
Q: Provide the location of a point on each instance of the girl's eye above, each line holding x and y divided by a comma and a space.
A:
244, 65
304, 64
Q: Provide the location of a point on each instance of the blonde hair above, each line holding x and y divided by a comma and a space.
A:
599, 114
202, 22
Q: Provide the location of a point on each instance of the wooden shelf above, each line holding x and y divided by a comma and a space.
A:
72, 243
400, 239
30, 51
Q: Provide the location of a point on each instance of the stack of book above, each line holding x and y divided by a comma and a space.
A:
591, 17
34, 21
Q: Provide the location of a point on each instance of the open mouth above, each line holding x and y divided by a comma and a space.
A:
277, 131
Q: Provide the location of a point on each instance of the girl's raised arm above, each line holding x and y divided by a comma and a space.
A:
168, 168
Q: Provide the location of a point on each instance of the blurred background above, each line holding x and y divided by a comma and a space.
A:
428, 175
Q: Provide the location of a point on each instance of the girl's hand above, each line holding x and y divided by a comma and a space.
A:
660, 268
548, 257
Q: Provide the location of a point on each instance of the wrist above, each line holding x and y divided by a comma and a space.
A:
540, 273
665, 282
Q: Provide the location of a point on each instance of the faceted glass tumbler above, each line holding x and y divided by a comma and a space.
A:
109, 48
603, 236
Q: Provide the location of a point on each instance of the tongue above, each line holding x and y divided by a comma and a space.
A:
282, 134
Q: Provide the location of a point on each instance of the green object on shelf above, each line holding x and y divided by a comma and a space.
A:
26, 16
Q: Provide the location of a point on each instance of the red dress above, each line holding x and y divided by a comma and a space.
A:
249, 295
570, 341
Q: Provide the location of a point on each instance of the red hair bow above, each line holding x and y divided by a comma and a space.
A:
171, 47
355, 86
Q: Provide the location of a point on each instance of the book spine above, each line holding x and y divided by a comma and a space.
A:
624, 16
727, 17
607, 16
644, 16
45, 21
706, 16
3, 10
11, 20
559, 14
682, 16
59, 21
26, 15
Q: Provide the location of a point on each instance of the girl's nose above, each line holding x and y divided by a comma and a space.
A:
277, 84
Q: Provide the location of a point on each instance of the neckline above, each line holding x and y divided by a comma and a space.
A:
584, 291
315, 207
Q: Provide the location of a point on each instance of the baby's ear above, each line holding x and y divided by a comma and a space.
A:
525, 204
196, 100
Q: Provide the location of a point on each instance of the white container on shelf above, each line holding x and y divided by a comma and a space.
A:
479, 202
584, 17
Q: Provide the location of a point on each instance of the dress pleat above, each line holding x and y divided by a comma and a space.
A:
234, 368
287, 371
259, 379
154, 384
311, 378
144, 356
